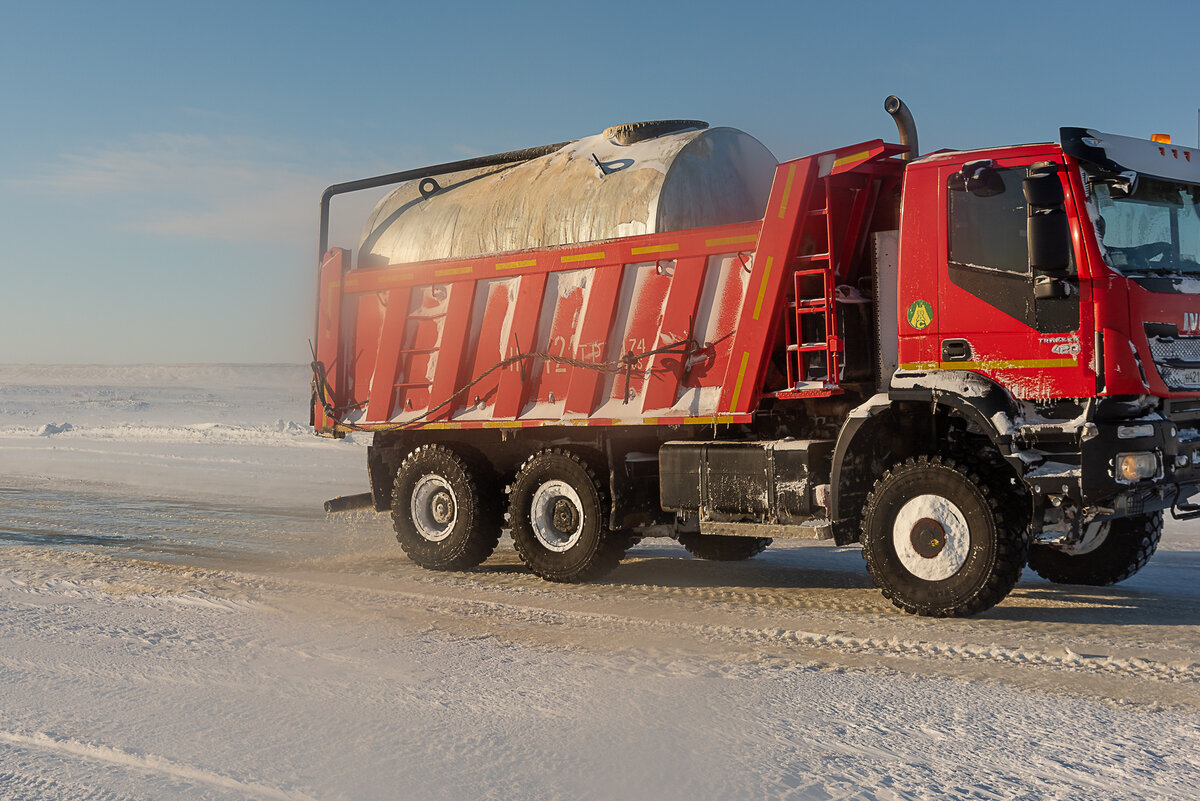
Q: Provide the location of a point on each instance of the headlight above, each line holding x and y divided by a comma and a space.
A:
1131, 467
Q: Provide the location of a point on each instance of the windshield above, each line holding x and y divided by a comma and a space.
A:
1155, 230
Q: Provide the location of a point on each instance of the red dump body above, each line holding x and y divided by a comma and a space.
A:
685, 327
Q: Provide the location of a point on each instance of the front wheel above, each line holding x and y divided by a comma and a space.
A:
1121, 549
938, 540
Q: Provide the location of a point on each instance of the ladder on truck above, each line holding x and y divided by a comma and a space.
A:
837, 198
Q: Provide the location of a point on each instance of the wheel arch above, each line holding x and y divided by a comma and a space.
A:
889, 428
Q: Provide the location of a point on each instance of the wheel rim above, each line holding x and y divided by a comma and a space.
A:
556, 516
434, 508
931, 537
1093, 537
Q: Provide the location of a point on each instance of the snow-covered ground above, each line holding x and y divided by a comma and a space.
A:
180, 620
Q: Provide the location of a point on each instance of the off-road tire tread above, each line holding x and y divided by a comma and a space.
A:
482, 501
1012, 541
719, 548
1116, 559
609, 551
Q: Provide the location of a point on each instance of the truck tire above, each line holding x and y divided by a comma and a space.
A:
939, 541
723, 549
446, 514
558, 514
1124, 550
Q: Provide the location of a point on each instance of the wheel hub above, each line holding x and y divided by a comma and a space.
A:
928, 538
441, 507
931, 537
433, 507
566, 516
556, 516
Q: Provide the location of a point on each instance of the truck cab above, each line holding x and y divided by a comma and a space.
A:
1048, 311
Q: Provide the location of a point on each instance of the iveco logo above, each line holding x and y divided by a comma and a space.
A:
1191, 323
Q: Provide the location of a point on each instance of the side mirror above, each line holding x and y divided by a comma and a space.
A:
1043, 190
1048, 233
1049, 241
979, 178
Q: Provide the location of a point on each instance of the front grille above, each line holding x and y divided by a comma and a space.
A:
1182, 411
1176, 358
1176, 349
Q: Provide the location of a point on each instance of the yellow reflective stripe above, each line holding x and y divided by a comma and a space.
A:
787, 190
852, 158
737, 385
654, 249
998, 364
583, 257
453, 271
762, 288
730, 240
512, 265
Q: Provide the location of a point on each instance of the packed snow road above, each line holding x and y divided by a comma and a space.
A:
180, 621
168, 648
1136, 643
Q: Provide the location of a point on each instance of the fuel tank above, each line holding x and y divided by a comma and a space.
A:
624, 181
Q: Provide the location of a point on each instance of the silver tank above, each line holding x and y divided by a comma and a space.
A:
591, 189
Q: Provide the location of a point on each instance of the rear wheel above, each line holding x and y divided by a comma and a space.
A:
938, 541
723, 549
445, 512
558, 513
1112, 556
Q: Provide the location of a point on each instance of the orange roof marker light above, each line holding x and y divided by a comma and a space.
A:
1162, 139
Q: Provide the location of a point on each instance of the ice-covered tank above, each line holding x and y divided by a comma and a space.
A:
622, 182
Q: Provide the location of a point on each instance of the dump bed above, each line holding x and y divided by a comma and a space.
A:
671, 328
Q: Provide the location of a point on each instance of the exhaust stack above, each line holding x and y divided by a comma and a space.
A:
904, 124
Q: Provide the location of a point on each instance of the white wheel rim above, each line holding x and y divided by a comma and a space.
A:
556, 515
931, 537
1093, 537
434, 507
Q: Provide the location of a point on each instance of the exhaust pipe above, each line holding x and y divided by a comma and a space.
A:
904, 124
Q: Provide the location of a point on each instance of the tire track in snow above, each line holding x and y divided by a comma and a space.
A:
965, 652
149, 763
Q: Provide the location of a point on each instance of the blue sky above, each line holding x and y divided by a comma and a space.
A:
162, 162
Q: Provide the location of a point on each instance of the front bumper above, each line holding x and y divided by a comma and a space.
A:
1081, 466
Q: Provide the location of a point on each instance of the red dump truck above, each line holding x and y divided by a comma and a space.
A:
967, 362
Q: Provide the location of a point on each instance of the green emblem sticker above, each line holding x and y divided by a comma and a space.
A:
920, 314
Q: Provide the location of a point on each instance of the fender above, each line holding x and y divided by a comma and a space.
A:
855, 421
971, 396
963, 394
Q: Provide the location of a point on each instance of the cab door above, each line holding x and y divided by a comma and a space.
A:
1000, 317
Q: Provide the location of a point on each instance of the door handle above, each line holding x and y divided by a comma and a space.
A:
955, 350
